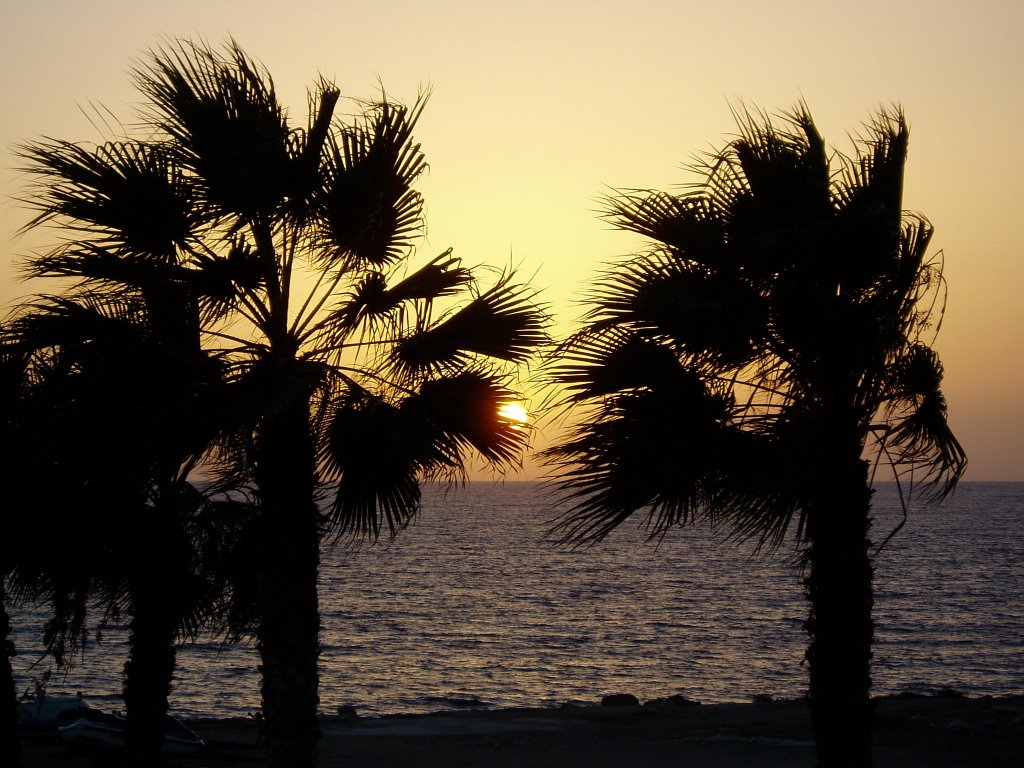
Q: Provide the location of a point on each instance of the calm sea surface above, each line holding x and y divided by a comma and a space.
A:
470, 608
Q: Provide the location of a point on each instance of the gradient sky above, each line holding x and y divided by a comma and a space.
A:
538, 107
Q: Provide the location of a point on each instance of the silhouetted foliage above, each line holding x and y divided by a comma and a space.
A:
12, 366
346, 376
116, 407
745, 367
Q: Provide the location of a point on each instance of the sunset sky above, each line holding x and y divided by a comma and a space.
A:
538, 108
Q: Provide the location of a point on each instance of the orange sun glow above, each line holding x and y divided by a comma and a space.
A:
514, 412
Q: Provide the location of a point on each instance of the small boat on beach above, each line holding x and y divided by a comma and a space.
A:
79, 725
100, 730
44, 714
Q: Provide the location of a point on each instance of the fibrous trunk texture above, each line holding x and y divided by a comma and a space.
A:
148, 674
10, 745
839, 588
289, 621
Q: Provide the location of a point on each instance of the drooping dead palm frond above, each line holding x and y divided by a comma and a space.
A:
917, 435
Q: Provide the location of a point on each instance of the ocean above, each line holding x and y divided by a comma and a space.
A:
470, 607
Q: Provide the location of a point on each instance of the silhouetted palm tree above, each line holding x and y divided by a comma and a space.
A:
35, 565
114, 413
123, 397
352, 377
10, 744
747, 366
12, 364
41, 496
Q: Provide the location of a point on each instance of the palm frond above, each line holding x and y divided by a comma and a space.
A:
916, 292
709, 314
129, 197
442, 276
58, 321
874, 177
687, 224
372, 452
920, 435
654, 450
464, 413
308, 148
869, 204
367, 207
504, 323
64, 633
785, 169
597, 363
222, 113
373, 299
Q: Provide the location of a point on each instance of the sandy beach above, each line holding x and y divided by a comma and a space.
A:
910, 732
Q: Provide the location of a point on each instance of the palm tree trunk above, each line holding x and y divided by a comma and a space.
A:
289, 621
10, 743
147, 676
839, 588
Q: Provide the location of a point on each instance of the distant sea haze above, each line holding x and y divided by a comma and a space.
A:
470, 608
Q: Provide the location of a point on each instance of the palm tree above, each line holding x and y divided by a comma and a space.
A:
9, 738
35, 566
351, 375
12, 363
749, 367
113, 417
124, 399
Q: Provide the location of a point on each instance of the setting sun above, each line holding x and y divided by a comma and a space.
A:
514, 412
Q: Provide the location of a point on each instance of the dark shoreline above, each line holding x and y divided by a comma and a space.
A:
910, 732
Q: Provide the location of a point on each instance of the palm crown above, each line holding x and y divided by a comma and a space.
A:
292, 243
785, 282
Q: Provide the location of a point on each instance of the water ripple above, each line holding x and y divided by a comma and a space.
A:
469, 608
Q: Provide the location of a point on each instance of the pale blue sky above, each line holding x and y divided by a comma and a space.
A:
537, 107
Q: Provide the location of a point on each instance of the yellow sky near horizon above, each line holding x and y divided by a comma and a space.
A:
538, 108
